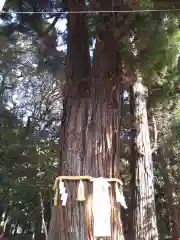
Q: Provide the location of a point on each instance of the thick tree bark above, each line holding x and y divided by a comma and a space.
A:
91, 128
145, 225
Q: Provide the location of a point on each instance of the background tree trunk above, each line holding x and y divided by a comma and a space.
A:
169, 190
145, 224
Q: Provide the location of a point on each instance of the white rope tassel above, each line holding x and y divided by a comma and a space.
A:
80, 192
2, 3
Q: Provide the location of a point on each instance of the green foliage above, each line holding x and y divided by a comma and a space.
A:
28, 152
27, 167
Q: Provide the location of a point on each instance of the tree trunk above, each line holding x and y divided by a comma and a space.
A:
145, 224
91, 128
169, 190
44, 227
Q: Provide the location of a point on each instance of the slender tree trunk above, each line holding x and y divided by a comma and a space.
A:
44, 227
145, 224
169, 190
91, 130
132, 185
37, 231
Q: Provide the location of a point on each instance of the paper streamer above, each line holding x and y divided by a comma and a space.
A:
120, 196
2, 3
101, 208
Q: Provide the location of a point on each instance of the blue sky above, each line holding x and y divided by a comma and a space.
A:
61, 26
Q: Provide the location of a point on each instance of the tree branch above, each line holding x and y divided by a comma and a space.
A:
49, 28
